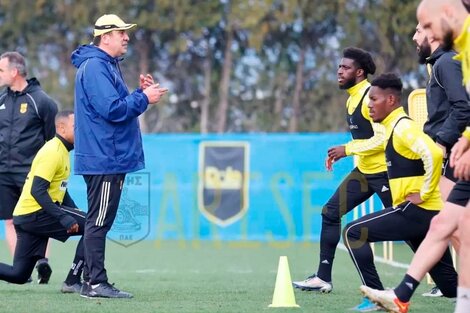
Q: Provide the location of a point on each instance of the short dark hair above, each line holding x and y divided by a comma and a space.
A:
362, 58
63, 114
16, 60
388, 81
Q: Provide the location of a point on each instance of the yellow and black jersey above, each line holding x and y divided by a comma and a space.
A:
368, 137
414, 161
52, 163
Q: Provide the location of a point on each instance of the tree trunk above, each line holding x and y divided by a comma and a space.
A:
299, 81
224, 83
207, 93
278, 102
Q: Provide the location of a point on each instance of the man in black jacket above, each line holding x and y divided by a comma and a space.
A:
447, 100
447, 106
26, 122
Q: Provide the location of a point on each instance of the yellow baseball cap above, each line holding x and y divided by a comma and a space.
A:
109, 22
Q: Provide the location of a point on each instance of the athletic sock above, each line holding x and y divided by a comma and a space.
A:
325, 268
463, 300
329, 238
406, 289
75, 271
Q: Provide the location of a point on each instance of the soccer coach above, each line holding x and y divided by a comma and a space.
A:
108, 139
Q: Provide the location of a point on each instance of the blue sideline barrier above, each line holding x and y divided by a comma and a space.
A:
283, 175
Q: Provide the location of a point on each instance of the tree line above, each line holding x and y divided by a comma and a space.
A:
230, 65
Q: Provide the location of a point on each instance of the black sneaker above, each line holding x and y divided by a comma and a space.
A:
106, 290
44, 272
84, 290
74, 288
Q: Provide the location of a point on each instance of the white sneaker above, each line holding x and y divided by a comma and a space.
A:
434, 292
314, 283
385, 299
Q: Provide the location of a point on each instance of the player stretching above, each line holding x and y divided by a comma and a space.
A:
370, 175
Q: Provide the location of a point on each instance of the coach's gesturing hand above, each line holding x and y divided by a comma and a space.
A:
145, 81
154, 92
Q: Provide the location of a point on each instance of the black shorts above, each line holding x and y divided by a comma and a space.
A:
34, 230
460, 194
11, 185
448, 171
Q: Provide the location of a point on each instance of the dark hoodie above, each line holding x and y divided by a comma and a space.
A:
26, 123
447, 100
107, 134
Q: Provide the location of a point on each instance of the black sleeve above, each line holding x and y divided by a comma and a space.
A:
450, 76
39, 189
48, 111
68, 201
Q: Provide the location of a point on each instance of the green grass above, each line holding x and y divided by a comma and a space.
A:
178, 276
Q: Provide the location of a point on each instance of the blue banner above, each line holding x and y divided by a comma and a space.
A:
227, 187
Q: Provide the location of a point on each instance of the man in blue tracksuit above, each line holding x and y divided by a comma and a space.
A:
108, 141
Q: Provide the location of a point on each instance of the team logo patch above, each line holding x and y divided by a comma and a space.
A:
223, 181
132, 223
23, 108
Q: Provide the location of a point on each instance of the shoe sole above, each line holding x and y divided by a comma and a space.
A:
368, 310
320, 290
432, 295
377, 303
103, 297
69, 291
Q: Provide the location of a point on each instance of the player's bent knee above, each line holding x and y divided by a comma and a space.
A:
350, 232
330, 215
440, 227
20, 278
354, 237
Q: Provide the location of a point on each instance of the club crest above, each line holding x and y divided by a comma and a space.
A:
223, 181
23, 108
132, 223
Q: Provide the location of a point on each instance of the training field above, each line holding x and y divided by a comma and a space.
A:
178, 276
